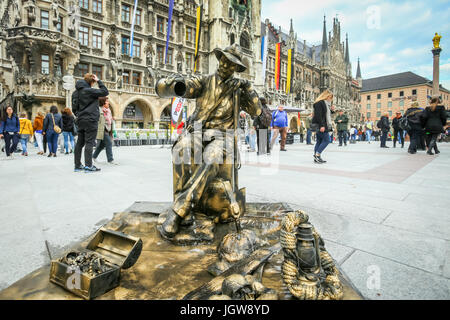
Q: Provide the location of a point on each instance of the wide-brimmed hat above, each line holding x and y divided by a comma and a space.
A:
233, 54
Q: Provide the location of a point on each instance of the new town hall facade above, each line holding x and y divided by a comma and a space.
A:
42, 42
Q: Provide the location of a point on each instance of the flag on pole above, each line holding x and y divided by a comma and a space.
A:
177, 111
169, 27
197, 35
132, 27
290, 70
277, 65
264, 51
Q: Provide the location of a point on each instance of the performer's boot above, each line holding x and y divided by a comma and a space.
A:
171, 226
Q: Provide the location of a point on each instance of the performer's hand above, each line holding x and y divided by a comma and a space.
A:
244, 84
322, 129
95, 78
173, 78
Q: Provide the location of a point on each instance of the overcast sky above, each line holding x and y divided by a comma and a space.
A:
388, 36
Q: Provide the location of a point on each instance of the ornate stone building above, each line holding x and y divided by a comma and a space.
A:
42, 41
315, 69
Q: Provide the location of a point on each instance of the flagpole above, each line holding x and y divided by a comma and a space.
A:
132, 27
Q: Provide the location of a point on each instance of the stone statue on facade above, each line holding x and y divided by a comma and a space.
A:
55, 12
30, 7
180, 62
437, 41
74, 15
17, 14
203, 175
149, 62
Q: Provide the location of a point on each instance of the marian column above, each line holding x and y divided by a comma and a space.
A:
436, 56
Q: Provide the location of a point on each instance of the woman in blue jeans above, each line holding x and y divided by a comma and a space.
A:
51, 120
322, 121
67, 128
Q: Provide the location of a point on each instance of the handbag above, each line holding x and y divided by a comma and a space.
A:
56, 128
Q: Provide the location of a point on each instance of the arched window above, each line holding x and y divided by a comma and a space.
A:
245, 41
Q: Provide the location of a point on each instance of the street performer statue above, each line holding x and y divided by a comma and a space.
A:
205, 180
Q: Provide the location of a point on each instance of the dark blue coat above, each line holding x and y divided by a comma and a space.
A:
10, 125
48, 122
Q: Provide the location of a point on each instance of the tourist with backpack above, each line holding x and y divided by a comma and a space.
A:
9, 129
85, 107
385, 127
262, 124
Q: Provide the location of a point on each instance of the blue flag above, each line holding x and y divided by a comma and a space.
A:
169, 27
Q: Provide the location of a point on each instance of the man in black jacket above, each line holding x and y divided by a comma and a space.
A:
262, 132
86, 108
385, 127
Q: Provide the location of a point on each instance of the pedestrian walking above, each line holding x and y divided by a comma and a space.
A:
434, 120
384, 126
322, 123
25, 133
279, 126
302, 131
414, 115
9, 130
262, 124
309, 132
105, 131
85, 107
398, 131
341, 126
368, 130
68, 127
38, 127
353, 134
52, 129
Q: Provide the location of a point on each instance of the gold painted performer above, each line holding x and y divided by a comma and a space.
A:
214, 112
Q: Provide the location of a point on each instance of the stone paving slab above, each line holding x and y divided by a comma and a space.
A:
383, 279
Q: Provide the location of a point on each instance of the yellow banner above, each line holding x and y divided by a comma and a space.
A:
289, 72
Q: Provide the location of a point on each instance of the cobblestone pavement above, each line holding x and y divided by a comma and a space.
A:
384, 214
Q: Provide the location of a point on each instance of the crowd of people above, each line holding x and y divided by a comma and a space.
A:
89, 121
424, 127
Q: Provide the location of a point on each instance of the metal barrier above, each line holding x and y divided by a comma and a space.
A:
138, 137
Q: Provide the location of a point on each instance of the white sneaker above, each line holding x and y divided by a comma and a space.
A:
95, 160
113, 163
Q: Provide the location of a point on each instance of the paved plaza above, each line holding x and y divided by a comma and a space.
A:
383, 213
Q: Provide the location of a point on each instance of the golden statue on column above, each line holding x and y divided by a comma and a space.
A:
437, 40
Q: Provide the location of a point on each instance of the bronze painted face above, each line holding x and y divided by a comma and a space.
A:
226, 68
